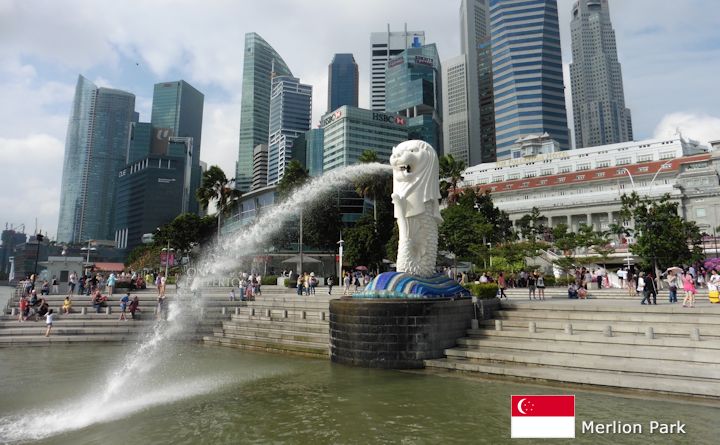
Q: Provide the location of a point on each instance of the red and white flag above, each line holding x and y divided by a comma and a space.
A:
542, 417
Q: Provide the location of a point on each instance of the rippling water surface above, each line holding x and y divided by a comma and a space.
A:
207, 395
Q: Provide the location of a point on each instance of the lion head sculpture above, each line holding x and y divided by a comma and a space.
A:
415, 178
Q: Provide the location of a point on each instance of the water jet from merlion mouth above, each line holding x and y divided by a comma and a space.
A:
144, 359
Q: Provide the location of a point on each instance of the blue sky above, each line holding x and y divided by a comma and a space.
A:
669, 50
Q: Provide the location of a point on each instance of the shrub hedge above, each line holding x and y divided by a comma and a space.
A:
268, 280
483, 291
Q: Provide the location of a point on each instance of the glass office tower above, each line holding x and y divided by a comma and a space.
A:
527, 72
343, 82
290, 115
95, 150
413, 90
260, 62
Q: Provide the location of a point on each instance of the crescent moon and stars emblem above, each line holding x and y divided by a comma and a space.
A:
525, 407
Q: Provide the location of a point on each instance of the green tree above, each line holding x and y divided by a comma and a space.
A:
363, 246
451, 172
372, 185
184, 231
294, 177
463, 227
216, 187
662, 238
531, 225
502, 226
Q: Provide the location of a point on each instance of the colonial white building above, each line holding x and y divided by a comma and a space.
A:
585, 185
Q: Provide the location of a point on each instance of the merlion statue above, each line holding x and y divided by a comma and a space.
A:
415, 197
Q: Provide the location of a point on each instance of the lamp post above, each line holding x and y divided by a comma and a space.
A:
167, 251
38, 239
88, 249
340, 264
301, 242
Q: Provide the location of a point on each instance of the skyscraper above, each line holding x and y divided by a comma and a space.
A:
290, 116
95, 149
343, 81
527, 72
475, 46
384, 45
599, 112
178, 107
260, 62
456, 132
315, 139
414, 91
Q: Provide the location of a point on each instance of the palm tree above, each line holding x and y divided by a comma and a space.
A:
451, 171
218, 188
368, 186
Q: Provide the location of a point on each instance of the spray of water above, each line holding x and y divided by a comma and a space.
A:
108, 402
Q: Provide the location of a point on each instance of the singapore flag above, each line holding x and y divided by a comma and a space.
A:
542, 417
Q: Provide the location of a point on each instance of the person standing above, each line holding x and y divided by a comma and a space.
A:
346, 282
330, 285
55, 286
123, 306
72, 282
689, 287
24, 308
651, 288
134, 306
111, 283
299, 284
540, 284
641, 287
672, 281
531, 286
502, 285
48, 322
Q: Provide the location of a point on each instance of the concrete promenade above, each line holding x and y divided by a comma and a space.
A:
610, 342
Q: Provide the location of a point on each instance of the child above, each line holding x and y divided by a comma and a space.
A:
67, 304
24, 309
134, 307
123, 306
48, 322
232, 294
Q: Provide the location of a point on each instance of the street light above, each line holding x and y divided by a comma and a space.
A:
88, 249
167, 251
38, 239
341, 243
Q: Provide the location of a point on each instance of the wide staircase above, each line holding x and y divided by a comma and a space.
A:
84, 324
560, 292
619, 344
279, 321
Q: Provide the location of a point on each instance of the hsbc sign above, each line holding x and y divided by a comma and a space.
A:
391, 118
331, 118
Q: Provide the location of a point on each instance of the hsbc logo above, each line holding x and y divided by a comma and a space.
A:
390, 118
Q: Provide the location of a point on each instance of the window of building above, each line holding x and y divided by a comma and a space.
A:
643, 169
600, 174
667, 155
525, 184
582, 167
623, 161
565, 169
603, 164
513, 176
546, 172
498, 178
700, 212
530, 174
580, 177
697, 165
645, 158
561, 179
543, 182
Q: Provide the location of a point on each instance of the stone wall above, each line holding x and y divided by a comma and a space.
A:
398, 333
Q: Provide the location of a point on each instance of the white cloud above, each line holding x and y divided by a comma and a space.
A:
221, 129
701, 127
32, 171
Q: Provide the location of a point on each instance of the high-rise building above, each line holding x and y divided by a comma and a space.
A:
599, 112
456, 132
95, 150
290, 116
314, 140
343, 81
178, 107
475, 46
260, 166
139, 141
149, 195
348, 131
261, 60
527, 72
414, 90
383, 46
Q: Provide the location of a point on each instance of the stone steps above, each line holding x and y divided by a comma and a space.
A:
615, 379
662, 329
270, 334
287, 346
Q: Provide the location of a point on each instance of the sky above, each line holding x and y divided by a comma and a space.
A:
669, 51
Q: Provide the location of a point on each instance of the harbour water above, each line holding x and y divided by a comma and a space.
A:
208, 395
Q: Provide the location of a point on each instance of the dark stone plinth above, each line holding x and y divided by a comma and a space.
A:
397, 333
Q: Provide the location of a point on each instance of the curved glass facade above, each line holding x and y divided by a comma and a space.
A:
259, 63
95, 150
